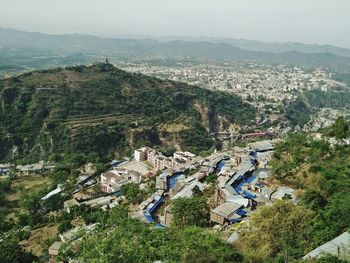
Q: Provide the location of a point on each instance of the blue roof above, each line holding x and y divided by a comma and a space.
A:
241, 212
155, 205
220, 165
116, 162
239, 189
173, 179
249, 195
148, 217
250, 179
118, 193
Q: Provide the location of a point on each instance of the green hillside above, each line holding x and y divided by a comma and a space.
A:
101, 109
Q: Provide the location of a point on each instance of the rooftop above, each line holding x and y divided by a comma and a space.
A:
261, 145
54, 248
338, 246
226, 209
71, 203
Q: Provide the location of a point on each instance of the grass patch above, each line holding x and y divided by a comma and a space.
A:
29, 182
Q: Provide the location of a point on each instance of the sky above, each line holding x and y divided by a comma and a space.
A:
305, 21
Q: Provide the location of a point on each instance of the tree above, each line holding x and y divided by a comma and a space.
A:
314, 200
278, 230
5, 186
30, 200
190, 211
54, 202
70, 184
117, 215
330, 259
60, 174
11, 252
64, 226
333, 219
132, 192
133, 241
340, 128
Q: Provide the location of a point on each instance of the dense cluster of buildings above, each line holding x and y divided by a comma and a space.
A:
273, 82
26, 169
239, 188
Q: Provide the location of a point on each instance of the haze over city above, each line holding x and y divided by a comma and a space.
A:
312, 21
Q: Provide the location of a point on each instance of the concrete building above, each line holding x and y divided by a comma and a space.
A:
262, 146
187, 189
141, 154
54, 250
339, 247
161, 162
226, 213
34, 168
69, 204
30, 168
113, 180
100, 201
162, 181
76, 232
186, 156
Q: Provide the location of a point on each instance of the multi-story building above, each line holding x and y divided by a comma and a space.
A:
113, 180
159, 161
141, 154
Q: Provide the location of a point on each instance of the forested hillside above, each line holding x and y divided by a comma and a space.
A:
328, 99
101, 109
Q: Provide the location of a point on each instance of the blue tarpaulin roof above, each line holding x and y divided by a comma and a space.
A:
156, 204
220, 165
173, 179
118, 193
250, 179
116, 162
259, 184
148, 217
239, 189
241, 212
249, 195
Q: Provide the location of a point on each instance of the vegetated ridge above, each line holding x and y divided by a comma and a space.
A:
101, 109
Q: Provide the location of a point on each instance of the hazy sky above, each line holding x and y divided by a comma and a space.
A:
308, 21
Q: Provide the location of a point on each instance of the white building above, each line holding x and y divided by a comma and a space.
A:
159, 161
113, 180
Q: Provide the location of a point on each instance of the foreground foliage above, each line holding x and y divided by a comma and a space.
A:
127, 240
277, 231
322, 172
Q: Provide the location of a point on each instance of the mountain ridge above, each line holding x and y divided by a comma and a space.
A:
92, 46
104, 110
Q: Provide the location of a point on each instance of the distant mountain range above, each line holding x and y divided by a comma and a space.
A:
33, 46
274, 47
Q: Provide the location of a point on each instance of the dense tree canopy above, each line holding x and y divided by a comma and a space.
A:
131, 241
322, 173
190, 211
280, 230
